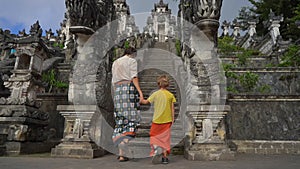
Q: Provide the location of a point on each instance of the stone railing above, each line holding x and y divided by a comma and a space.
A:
270, 81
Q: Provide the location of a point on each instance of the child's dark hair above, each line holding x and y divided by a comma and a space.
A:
163, 81
129, 51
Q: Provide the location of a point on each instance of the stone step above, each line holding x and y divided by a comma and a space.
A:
153, 83
140, 147
159, 63
151, 90
152, 77
156, 63
176, 127
147, 93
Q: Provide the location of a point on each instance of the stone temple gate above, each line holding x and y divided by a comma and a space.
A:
96, 32
88, 117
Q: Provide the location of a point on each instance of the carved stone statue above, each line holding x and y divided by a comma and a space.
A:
36, 30
252, 27
236, 26
49, 34
22, 33
85, 13
225, 27
274, 24
207, 9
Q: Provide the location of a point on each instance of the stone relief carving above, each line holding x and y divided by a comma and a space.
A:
23, 112
209, 9
17, 132
85, 13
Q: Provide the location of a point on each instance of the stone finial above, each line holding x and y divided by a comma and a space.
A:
273, 25
49, 34
225, 27
22, 33
36, 30
236, 26
252, 27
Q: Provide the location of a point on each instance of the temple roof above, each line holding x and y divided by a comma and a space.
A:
161, 4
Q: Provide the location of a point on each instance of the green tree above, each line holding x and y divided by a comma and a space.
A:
291, 57
246, 14
50, 78
261, 8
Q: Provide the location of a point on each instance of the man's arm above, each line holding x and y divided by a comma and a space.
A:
135, 81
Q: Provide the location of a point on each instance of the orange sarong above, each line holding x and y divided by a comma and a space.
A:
160, 135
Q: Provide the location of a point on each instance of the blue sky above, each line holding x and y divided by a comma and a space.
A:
16, 15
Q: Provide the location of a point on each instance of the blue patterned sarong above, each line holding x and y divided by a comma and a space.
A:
126, 112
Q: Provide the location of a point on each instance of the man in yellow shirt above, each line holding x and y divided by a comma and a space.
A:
163, 117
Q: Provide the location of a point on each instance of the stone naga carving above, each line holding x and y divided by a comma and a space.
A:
207, 9
85, 13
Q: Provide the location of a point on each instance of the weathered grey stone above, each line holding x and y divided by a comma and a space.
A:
18, 148
84, 150
274, 147
209, 152
248, 115
80, 133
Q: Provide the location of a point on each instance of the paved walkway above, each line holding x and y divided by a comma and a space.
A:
176, 162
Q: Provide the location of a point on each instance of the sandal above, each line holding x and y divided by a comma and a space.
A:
124, 159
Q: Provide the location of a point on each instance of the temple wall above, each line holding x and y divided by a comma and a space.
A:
257, 118
56, 121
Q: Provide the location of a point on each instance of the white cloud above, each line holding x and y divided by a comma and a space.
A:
26, 12
50, 13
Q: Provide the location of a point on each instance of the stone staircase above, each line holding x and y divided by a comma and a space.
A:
156, 63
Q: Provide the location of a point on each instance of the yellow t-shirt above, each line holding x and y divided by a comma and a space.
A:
162, 100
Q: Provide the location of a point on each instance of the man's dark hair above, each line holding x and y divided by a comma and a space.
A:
130, 51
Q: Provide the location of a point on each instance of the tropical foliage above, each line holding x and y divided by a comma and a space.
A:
289, 9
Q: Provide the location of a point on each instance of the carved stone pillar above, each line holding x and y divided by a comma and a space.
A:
88, 89
207, 112
77, 141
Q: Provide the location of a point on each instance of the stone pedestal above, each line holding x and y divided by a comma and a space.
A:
25, 130
208, 135
77, 149
77, 142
